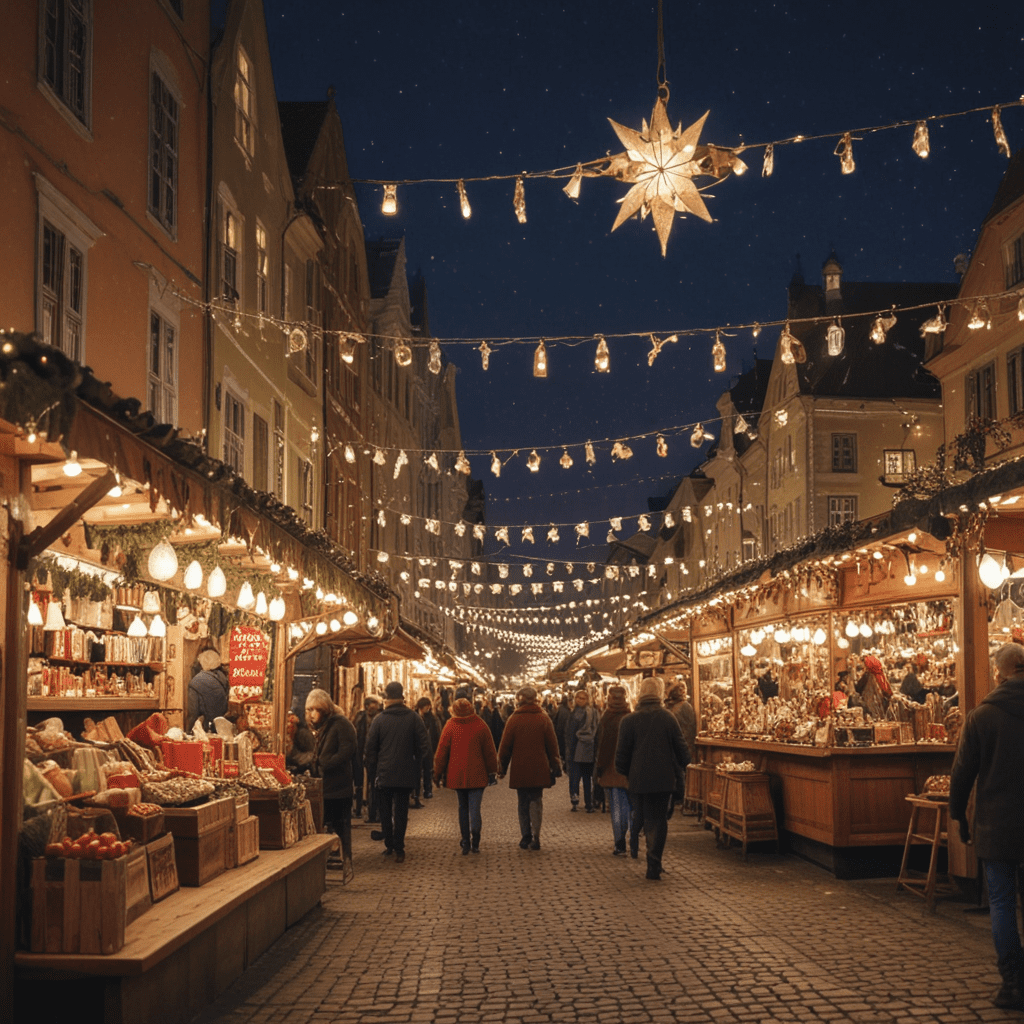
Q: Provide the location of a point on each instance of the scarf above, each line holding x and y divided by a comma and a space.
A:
874, 666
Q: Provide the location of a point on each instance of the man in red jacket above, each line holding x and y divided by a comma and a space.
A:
529, 744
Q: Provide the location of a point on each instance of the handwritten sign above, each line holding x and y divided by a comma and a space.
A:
249, 650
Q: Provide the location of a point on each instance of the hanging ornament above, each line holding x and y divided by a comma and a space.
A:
845, 153
217, 582
495, 464
382, 520
462, 464
769, 161
389, 205
602, 359
496, 588
460, 529
881, 327
835, 335
527, 570
620, 450
718, 354
515, 588
569, 568
921, 145
485, 354
980, 316
660, 162
467, 210
405, 519
347, 349
1000, 134
787, 354
615, 523
670, 521
1020, 307
610, 538
378, 458
572, 190
582, 530
781, 417
591, 566
740, 426
578, 584
558, 586
434, 362
431, 461
540, 360
657, 346
590, 456
350, 453
474, 568
479, 531
662, 448
527, 537
401, 460
193, 578
697, 437
519, 201
553, 534
533, 462
687, 514
566, 460
937, 324
537, 588
501, 534
432, 526
403, 354
643, 523
503, 571
163, 562
297, 340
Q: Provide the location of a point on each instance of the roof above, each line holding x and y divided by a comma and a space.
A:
300, 128
1011, 188
381, 256
864, 369
747, 396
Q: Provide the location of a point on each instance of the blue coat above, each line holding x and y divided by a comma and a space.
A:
207, 698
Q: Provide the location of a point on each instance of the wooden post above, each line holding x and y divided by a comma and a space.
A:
281, 699
977, 680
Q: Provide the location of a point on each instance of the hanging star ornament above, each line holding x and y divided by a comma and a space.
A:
660, 162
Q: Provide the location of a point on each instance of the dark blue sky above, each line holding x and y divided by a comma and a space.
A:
448, 90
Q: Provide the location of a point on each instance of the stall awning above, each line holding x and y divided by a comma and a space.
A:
400, 647
608, 663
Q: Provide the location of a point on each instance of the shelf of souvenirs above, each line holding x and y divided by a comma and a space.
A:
124, 702
95, 681
94, 644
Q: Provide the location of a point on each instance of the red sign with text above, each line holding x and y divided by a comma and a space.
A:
249, 650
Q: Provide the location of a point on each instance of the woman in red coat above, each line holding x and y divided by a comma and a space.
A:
467, 762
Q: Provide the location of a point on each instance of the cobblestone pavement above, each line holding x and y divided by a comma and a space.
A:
571, 933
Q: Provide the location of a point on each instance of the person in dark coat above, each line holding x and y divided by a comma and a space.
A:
560, 718
580, 734
677, 701
371, 708
467, 762
425, 709
396, 747
615, 785
652, 754
529, 754
207, 692
497, 723
334, 745
300, 746
991, 758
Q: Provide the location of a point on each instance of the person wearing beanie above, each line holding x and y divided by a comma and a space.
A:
333, 748
467, 762
207, 691
529, 754
677, 701
425, 709
396, 747
651, 753
580, 734
614, 784
371, 708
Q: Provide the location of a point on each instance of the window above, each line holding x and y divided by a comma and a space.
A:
306, 490
163, 153
63, 292
163, 369
229, 255
262, 264
844, 453
1015, 380
309, 365
900, 464
1013, 261
260, 454
234, 432
842, 510
66, 53
245, 105
980, 388
279, 450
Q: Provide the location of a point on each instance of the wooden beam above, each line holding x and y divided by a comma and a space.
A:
974, 610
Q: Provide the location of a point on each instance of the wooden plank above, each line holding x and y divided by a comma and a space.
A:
72, 917
163, 869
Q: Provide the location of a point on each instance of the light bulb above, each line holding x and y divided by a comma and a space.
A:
533, 462
350, 618
865, 630
246, 598
193, 578
910, 579
881, 327
602, 359
921, 145
350, 454
403, 354
72, 467
540, 360
35, 616
819, 636
348, 349
836, 337
117, 490
389, 205
940, 576
137, 628
217, 584
748, 650
277, 609
261, 603
718, 354
434, 362
321, 628
842, 642
467, 210
163, 562
757, 636
852, 629
158, 627
335, 625
781, 636
990, 572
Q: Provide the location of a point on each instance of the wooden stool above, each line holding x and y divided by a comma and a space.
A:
921, 832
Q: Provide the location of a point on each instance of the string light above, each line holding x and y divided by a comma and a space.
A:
845, 153
540, 360
572, 190
718, 354
389, 204
835, 336
217, 583
921, 145
519, 201
193, 578
403, 354
485, 354
602, 359
434, 363
72, 467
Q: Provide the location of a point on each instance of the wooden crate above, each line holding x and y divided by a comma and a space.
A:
78, 906
142, 830
202, 857
189, 822
278, 829
163, 868
243, 844
138, 898
748, 813
241, 808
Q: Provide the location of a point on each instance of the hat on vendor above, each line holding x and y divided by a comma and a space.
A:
209, 659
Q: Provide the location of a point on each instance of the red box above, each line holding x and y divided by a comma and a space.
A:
274, 763
184, 754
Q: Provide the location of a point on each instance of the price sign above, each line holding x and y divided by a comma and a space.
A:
249, 651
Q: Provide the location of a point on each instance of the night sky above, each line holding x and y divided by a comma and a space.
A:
449, 90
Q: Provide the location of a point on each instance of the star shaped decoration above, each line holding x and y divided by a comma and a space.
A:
660, 162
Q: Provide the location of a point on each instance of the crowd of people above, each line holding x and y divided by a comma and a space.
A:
630, 762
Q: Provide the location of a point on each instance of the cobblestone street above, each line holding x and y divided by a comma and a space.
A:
571, 933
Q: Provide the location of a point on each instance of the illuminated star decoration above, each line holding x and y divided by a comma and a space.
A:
660, 162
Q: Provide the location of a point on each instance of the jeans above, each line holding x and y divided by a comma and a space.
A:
650, 815
394, 816
618, 800
1003, 882
581, 770
469, 811
531, 812
338, 819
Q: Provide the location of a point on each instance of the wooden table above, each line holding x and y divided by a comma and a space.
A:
186, 950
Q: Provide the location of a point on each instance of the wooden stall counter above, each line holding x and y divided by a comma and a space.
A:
841, 807
187, 949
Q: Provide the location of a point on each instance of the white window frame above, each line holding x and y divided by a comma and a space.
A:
226, 206
161, 69
234, 441
1013, 261
79, 233
262, 253
56, 90
842, 508
245, 104
162, 380
838, 439
904, 458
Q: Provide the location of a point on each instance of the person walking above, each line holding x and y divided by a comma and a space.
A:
333, 746
560, 718
580, 734
652, 754
990, 757
677, 701
365, 793
467, 762
615, 784
529, 754
396, 747
425, 709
